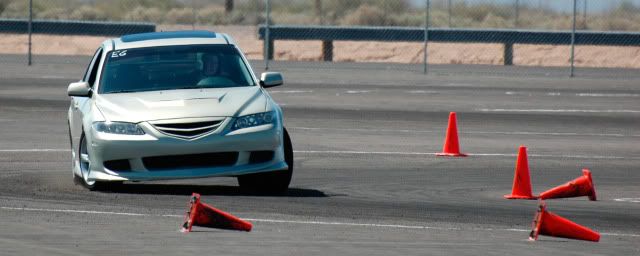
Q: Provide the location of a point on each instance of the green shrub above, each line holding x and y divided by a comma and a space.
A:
494, 21
179, 16
211, 15
86, 12
366, 15
16, 9
145, 15
57, 13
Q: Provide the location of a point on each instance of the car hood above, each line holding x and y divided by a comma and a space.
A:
173, 104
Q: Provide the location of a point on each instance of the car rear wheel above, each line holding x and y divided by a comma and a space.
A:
271, 182
85, 167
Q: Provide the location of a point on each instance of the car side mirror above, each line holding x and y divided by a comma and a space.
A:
79, 89
271, 79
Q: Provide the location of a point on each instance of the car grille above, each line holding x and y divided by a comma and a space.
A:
206, 160
187, 130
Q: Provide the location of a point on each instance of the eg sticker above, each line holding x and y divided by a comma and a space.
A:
116, 54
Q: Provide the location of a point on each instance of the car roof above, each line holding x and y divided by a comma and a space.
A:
167, 38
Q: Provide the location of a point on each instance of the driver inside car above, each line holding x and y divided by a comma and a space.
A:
212, 72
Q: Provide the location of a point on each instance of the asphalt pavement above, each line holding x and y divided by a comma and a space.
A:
366, 180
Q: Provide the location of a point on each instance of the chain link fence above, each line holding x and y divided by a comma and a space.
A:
242, 19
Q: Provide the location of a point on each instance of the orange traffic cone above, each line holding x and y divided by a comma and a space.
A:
521, 180
581, 186
204, 215
548, 224
451, 145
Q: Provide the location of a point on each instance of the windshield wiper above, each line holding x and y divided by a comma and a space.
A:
123, 91
188, 87
126, 91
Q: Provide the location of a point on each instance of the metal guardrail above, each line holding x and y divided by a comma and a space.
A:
72, 27
508, 37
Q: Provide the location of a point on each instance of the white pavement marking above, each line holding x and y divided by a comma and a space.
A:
357, 91
354, 152
518, 93
72, 211
470, 132
363, 152
54, 77
292, 91
351, 224
616, 95
302, 222
459, 84
559, 110
469, 154
607, 95
629, 200
36, 150
421, 92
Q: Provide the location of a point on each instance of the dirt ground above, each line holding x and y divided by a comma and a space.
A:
347, 51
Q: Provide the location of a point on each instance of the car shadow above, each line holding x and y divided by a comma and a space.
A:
216, 190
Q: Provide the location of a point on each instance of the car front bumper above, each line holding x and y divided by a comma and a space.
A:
136, 150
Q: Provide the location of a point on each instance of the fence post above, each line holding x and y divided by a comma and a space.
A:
508, 54
517, 13
268, 44
327, 50
426, 34
30, 28
573, 38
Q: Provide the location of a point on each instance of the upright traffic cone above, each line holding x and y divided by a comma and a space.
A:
521, 180
548, 224
204, 215
581, 186
451, 146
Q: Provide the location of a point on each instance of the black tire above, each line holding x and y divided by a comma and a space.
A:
93, 186
271, 182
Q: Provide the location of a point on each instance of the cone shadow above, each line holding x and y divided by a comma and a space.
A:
217, 190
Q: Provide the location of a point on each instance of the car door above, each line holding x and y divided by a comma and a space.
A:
79, 104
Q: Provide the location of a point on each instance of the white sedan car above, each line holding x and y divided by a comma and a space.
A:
176, 105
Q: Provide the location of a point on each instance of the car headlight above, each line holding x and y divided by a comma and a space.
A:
253, 120
118, 128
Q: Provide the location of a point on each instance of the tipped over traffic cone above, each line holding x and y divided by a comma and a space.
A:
204, 215
451, 146
581, 186
548, 224
521, 180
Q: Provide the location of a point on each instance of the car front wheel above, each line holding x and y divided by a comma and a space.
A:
271, 182
85, 167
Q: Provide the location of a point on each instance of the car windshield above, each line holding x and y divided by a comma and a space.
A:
173, 68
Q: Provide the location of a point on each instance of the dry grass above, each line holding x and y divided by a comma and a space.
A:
625, 17
345, 51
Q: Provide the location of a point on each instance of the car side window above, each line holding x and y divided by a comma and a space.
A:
87, 71
90, 78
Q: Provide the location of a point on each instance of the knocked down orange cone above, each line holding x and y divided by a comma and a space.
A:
581, 186
548, 224
451, 146
521, 180
204, 215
